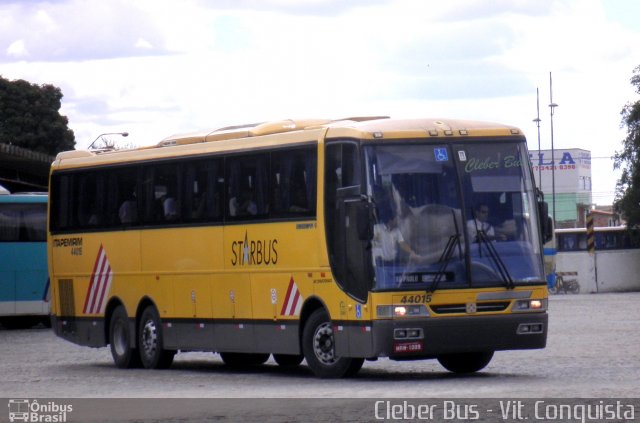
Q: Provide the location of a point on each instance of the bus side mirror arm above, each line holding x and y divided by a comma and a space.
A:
548, 234
546, 222
364, 219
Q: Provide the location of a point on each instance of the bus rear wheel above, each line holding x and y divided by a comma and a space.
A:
150, 341
120, 341
465, 362
318, 347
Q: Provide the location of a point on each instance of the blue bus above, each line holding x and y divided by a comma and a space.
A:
24, 279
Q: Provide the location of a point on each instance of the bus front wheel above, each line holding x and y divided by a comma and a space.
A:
120, 341
150, 342
465, 362
318, 347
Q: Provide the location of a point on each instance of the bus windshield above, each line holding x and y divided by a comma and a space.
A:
449, 216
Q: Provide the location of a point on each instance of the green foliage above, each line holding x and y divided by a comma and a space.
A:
30, 117
627, 199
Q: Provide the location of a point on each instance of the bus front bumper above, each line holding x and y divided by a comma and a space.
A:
416, 338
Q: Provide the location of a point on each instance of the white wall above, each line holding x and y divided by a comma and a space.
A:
614, 271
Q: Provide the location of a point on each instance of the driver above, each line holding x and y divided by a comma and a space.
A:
480, 223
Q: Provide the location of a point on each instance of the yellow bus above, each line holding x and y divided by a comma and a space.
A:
330, 241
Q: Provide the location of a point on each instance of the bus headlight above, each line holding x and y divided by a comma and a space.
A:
391, 311
530, 305
400, 311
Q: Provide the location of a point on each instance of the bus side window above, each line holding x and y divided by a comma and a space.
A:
582, 241
203, 187
162, 195
34, 219
247, 187
60, 191
89, 198
123, 187
567, 242
9, 223
293, 183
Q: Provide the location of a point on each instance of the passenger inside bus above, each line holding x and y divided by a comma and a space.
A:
128, 211
243, 205
169, 209
299, 200
198, 207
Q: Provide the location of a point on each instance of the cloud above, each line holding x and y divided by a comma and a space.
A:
156, 67
326, 8
77, 30
470, 10
18, 50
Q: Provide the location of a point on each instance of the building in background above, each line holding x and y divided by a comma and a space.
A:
572, 168
23, 170
606, 216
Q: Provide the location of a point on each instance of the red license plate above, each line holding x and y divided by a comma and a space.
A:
407, 347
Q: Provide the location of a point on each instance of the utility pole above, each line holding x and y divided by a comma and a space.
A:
552, 106
537, 120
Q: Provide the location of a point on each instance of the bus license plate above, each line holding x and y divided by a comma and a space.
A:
407, 347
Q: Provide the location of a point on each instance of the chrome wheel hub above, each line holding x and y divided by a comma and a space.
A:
323, 344
149, 338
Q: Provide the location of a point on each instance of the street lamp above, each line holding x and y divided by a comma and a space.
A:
124, 134
552, 107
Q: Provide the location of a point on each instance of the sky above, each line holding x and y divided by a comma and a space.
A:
153, 68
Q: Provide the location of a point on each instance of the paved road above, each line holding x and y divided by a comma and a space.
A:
593, 351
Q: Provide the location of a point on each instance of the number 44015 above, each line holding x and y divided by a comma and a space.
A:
416, 299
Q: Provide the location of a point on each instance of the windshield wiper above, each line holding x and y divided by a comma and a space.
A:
495, 258
445, 257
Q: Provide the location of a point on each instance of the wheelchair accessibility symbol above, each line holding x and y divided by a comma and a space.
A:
441, 154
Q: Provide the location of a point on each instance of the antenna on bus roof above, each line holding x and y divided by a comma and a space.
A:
101, 137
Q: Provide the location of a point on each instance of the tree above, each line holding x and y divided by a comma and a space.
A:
30, 117
627, 201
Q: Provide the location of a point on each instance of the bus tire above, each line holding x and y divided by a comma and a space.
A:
124, 356
150, 341
318, 347
244, 359
465, 362
288, 360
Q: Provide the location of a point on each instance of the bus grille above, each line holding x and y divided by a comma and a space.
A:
65, 288
462, 308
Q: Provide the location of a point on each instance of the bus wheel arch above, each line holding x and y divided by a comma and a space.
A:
310, 305
142, 305
108, 314
318, 347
